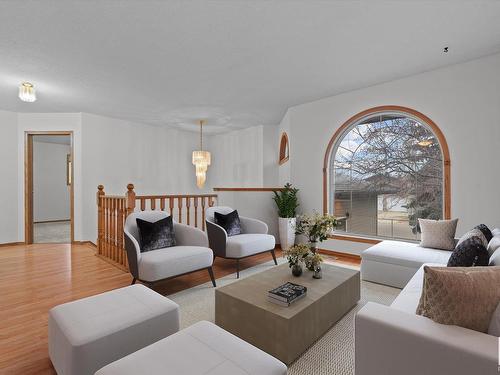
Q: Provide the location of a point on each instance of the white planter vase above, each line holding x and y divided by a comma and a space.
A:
287, 232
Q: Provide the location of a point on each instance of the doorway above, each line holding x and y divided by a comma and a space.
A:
49, 187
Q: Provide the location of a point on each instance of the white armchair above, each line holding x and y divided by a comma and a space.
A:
253, 239
190, 254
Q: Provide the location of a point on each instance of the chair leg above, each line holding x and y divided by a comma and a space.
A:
211, 273
237, 268
274, 256
133, 281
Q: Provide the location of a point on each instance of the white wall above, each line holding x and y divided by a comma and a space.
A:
463, 100
116, 152
8, 171
51, 194
244, 158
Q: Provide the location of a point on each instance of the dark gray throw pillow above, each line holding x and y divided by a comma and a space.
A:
230, 222
157, 235
469, 253
485, 230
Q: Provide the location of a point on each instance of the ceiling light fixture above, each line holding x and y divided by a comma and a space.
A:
27, 92
201, 161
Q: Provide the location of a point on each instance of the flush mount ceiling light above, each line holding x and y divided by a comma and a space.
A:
201, 161
27, 92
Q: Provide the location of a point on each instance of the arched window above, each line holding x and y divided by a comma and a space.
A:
284, 149
385, 168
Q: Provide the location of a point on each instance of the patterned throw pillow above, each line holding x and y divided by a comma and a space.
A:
460, 296
473, 233
470, 252
230, 222
486, 231
438, 234
157, 235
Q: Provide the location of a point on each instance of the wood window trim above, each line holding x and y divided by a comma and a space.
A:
284, 149
391, 108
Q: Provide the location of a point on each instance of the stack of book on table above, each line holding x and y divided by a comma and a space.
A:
286, 294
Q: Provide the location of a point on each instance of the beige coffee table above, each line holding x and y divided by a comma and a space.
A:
242, 308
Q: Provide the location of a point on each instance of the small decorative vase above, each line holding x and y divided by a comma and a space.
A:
317, 272
313, 246
296, 270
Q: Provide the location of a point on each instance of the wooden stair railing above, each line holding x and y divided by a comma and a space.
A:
112, 211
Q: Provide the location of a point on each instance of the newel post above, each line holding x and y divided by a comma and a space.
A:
130, 194
100, 217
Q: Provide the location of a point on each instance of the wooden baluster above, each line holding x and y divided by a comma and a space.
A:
195, 199
179, 207
113, 229
100, 217
130, 199
162, 204
203, 213
143, 204
106, 252
210, 201
121, 239
171, 206
188, 206
153, 203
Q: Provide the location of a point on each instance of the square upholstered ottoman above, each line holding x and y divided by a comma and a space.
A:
201, 349
87, 334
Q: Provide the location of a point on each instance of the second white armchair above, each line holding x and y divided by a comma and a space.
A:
252, 240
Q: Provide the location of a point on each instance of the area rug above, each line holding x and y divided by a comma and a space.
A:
331, 354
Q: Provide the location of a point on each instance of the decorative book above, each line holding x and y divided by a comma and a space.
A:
287, 293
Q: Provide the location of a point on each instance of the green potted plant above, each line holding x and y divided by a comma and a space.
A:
287, 202
295, 255
316, 228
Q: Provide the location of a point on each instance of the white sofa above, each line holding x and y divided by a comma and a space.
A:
394, 340
190, 254
394, 263
202, 348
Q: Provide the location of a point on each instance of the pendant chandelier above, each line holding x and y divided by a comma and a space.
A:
201, 161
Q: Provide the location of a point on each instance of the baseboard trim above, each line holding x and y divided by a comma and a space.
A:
5, 244
89, 243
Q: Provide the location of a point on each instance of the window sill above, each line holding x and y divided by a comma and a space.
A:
353, 238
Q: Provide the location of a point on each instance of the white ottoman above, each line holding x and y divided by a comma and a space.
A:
202, 348
87, 334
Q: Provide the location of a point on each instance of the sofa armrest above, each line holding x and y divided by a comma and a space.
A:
186, 235
392, 342
249, 225
217, 238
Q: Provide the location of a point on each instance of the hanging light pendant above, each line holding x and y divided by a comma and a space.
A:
27, 92
201, 161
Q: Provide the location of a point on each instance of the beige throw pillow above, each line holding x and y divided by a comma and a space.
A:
462, 296
438, 234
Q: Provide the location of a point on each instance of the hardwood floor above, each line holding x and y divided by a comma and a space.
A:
35, 278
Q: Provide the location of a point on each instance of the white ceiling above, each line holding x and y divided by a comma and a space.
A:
236, 63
